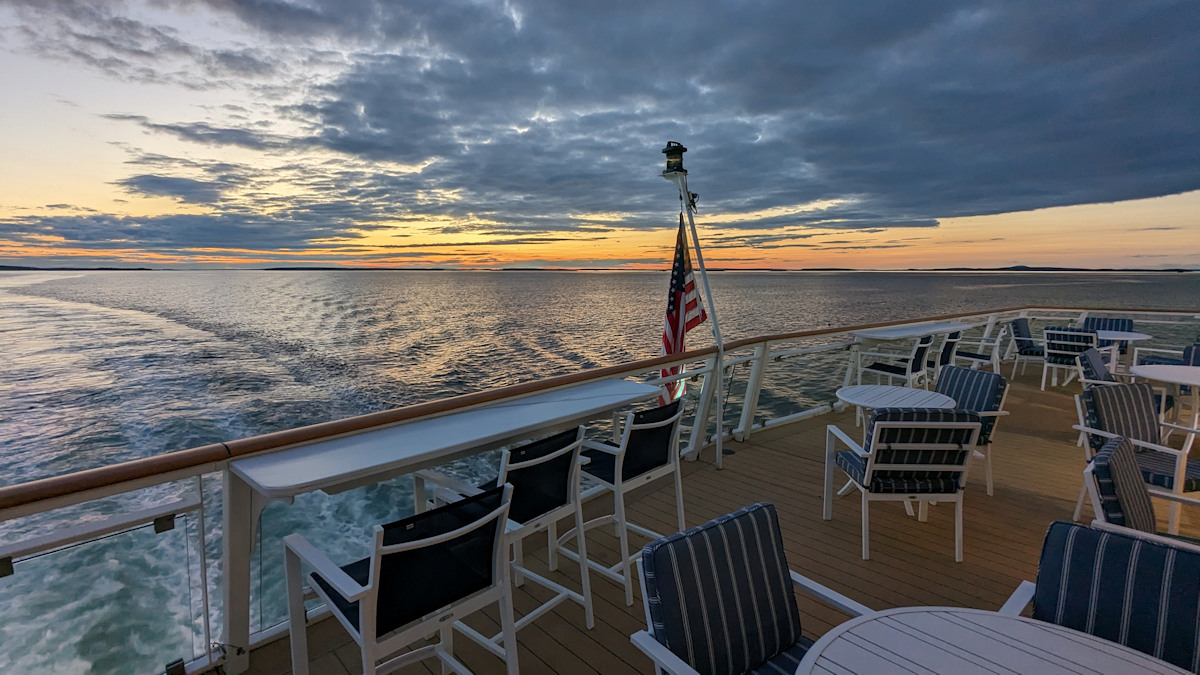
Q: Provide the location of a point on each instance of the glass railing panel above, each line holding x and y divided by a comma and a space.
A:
129, 602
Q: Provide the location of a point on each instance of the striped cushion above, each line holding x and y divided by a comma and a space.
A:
720, 595
1123, 494
1127, 410
897, 482
976, 391
1064, 344
1158, 468
1093, 366
1095, 323
1144, 595
786, 662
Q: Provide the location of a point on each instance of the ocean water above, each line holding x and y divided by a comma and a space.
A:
103, 367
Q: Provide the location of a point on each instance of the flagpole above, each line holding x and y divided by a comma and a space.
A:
678, 175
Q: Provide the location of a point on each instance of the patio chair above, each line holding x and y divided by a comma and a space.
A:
983, 394
945, 356
719, 598
1024, 347
1095, 323
544, 476
648, 449
984, 351
1120, 496
1062, 346
910, 370
1093, 371
425, 571
1129, 411
909, 455
1167, 356
1130, 588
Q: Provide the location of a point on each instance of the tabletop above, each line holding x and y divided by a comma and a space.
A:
888, 396
964, 641
912, 330
1173, 374
1122, 335
339, 462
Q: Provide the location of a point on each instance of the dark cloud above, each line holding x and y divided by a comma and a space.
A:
535, 111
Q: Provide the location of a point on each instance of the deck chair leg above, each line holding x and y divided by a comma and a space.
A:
866, 526
1044, 372
298, 628
987, 469
584, 569
958, 529
679, 498
827, 505
1173, 523
446, 642
518, 558
551, 549
1079, 503
624, 538
508, 628
923, 512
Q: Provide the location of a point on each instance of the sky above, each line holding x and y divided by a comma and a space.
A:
528, 133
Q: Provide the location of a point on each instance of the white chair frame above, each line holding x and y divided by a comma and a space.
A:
1181, 457
993, 346
915, 371
834, 434
620, 571
298, 550
516, 533
665, 660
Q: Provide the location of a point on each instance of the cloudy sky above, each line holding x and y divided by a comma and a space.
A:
527, 133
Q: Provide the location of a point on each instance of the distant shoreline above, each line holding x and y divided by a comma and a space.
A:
1015, 269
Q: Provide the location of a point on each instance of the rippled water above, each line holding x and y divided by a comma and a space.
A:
101, 367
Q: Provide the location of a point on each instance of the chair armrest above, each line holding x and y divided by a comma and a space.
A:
661, 656
1172, 497
1176, 427
831, 429
321, 564
1019, 599
1157, 538
601, 446
829, 595
992, 413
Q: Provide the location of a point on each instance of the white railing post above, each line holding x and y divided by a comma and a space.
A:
758, 367
237, 542
712, 382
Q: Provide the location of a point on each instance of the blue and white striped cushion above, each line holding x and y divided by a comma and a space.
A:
1093, 366
1127, 410
1067, 343
786, 662
898, 482
976, 391
720, 595
1024, 339
1094, 323
1158, 468
1144, 595
1122, 488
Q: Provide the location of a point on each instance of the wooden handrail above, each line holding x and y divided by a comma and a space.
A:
147, 467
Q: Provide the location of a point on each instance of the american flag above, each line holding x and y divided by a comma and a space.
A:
684, 311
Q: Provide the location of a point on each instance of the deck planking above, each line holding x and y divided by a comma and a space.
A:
1037, 474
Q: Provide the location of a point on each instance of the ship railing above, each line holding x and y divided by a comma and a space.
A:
774, 364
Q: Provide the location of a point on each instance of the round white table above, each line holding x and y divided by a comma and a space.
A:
963, 641
1188, 375
1119, 336
875, 396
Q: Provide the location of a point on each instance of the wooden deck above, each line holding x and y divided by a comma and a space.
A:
1038, 471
